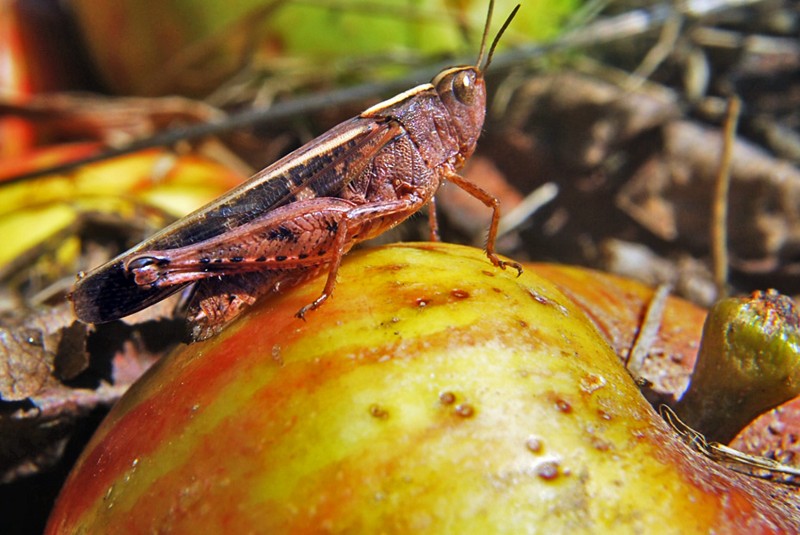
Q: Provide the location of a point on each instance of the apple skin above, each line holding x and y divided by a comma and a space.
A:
617, 306
432, 393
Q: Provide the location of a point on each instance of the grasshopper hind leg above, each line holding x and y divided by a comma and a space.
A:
217, 302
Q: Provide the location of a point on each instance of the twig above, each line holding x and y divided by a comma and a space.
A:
648, 331
531, 204
719, 217
278, 112
670, 32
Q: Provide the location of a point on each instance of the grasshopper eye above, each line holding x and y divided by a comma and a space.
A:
464, 87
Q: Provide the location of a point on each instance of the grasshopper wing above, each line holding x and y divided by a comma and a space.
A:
322, 168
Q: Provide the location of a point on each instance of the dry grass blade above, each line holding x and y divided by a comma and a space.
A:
648, 331
725, 454
719, 220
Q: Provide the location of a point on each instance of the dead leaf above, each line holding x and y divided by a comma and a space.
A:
25, 364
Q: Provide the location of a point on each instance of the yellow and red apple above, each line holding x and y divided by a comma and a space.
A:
432, 393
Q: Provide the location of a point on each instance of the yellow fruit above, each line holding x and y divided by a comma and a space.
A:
433, 393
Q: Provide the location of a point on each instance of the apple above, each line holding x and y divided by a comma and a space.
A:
431, 393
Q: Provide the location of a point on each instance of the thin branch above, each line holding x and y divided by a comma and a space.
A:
719, 216
531, 204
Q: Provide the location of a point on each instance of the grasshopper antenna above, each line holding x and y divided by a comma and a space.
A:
485, 35
496, 38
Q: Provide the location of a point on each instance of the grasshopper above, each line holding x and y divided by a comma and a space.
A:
299, 216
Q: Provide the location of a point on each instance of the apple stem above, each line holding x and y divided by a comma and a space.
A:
748, 363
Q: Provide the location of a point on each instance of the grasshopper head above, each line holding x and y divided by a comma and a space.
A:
463, 93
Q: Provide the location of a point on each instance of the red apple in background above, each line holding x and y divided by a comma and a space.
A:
432, 393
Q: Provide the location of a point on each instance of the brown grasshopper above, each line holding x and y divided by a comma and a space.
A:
300, 215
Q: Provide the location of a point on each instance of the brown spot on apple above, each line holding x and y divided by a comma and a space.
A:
534, 444
465, 410
563, 406
604, 415
591, 383
548, 470
447, 398
376, 411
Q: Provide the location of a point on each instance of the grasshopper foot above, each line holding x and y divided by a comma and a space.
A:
502, 264
311, 306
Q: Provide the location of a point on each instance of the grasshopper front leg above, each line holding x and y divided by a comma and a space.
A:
491, 202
